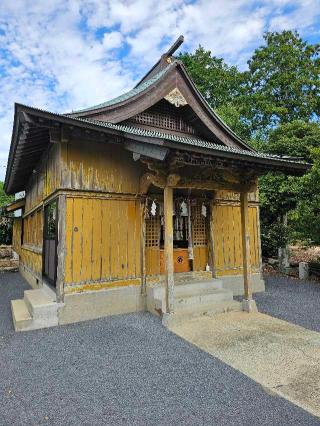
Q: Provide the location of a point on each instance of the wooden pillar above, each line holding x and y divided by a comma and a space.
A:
168, 248
211, 237
143, 245
245, 237
61, 247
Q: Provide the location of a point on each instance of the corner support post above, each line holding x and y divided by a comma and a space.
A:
248, 303
168, 248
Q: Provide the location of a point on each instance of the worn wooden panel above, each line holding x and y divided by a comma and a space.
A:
152, 260
33, 228
32, 260
113, 170
16, 234
200, 254
46, 179
101, 240
227, 239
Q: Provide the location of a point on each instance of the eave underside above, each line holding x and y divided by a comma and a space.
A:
35, 130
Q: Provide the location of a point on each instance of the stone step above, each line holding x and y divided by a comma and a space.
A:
187, 277
40, 304
201, 310
215, 296
22, 320
197, 288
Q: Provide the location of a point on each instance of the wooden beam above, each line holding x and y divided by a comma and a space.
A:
245, 237
211, 185
168, 249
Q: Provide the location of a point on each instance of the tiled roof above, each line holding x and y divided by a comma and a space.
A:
138, 131
143, 86
187, 140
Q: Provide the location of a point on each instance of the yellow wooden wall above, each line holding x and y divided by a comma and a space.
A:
227, 239
16, 234
99, 167
200, 258
33, 228
46, 180
152, 259
102, 240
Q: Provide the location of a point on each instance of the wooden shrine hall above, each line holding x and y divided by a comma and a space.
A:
148, 201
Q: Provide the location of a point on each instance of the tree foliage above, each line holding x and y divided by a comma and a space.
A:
275, 106
280, 194
5, 222
282, 81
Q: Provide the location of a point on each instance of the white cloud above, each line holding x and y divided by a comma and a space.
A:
68, 54
112, 40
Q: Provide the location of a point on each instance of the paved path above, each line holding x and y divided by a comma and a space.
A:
283, 357
291, 300
123, 370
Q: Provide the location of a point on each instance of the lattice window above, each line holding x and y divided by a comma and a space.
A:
164, 116
199, 233
153, 231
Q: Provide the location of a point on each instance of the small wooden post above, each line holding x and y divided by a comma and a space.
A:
168, 248
245, 245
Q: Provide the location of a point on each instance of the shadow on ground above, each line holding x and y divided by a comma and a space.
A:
123, 370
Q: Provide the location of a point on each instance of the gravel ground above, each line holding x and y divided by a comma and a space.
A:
123, 370
292, 300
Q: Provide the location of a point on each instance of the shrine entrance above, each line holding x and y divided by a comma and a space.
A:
190, 229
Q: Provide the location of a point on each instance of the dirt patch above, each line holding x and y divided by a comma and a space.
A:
282, 357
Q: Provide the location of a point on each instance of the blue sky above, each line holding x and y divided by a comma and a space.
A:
68, 54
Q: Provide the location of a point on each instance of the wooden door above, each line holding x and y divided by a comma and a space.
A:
50, 242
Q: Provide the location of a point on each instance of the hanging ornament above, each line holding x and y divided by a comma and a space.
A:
153, 208
183, 209
204, 210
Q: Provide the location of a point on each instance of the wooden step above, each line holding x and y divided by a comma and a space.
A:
22, 320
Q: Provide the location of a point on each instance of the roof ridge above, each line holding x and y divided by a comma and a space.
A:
135, 91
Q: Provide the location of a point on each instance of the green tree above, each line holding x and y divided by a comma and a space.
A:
218, 83
282, 81
280, 194
221, 85
5, 222
305, 218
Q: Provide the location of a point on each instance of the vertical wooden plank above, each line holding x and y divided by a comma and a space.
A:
87, 240
96, 239
131, 238
69, 233
245, 245
168, 248
259, 240
139, 228
105, 239
77, 239
114, 245
231, 242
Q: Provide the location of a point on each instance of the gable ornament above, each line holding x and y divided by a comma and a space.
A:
176, 98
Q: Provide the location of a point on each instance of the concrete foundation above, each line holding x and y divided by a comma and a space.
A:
97, 304
33, 280
235, 283
249, 306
